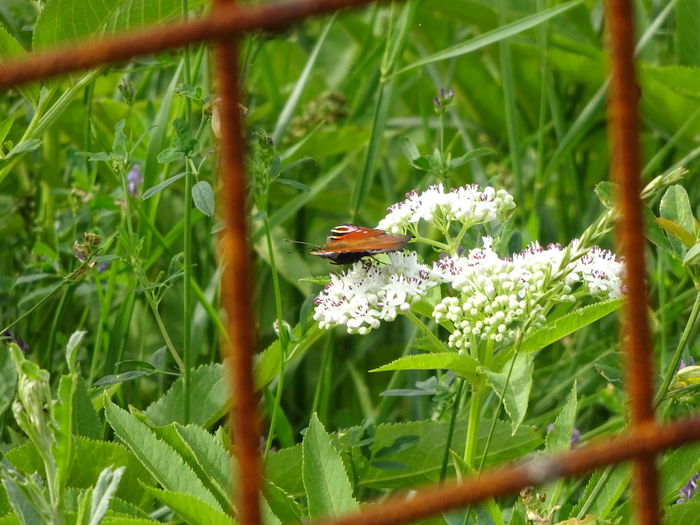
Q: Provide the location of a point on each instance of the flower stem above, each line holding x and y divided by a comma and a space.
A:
675, 360
451, 429
426, 330
436, 244
473, 425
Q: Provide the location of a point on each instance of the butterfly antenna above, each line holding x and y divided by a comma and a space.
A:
316, 246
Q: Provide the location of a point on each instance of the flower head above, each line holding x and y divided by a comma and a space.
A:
468, 205
500, 295
368, 293
134, 180
689, 489
443, 100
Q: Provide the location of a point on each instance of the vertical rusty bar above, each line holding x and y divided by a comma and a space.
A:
623, 127
236, 280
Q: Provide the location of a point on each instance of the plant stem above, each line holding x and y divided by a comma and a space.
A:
675, 360
473, 425
425, 330
451, 429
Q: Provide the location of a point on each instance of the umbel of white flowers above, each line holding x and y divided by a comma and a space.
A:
494, 296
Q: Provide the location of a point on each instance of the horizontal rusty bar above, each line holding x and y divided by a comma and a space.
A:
401, 508
228, 21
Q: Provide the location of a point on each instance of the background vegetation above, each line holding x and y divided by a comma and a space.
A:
107, 189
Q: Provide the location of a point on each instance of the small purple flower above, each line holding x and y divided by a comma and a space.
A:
17, 340
683, 364
689, 489
102, 267
575, 434
134, 180
443, 100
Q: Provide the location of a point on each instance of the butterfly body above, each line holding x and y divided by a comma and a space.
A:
347, 243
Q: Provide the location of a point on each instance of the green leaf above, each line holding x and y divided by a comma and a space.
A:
159, 187
281, 503
159, 459
675, 206
676, 469
693, 255
409, 149
17, 493
494, 36
203, 197
680, 237
8, 379
687, 35
654, 232
517, 391
606, 193
105, 488
567, 324
328, 489
461, 364
169, 155
72, 349
687, 513
190, 508
608, 491
24, 147
114, 379
470, 155
559, 439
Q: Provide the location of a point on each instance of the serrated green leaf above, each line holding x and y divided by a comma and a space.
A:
559, 439
328, 489
568, 324
208, 386
461, 364
190, 508
517, 389
159, 459
203, 197
281, 504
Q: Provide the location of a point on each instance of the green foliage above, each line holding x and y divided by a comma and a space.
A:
109, 212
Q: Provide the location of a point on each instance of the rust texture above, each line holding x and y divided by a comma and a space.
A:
228, 20
643, 440
236, 282
623, 124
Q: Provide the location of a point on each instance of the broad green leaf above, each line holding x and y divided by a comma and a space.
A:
409, 148
687, 513
25, 509
10, 519
653, 231
494, 36
423, 460
161, 461
105, 488
190, 508
211, 457
10, 48
208, 386
675, 206
559, 439
461, 364
679, 79
517, 389
328, 489
677, 468
8, 379
134, 14
567, 324
203, 197
606, 193
94, 456
609, 490
23, 147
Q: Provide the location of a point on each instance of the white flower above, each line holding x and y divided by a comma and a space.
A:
498, 295
467, 205
369, 293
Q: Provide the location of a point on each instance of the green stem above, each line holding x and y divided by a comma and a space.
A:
283, 335
187, 243
451, 429
164, 332
441, 245
473, 426
410, 315
673, 365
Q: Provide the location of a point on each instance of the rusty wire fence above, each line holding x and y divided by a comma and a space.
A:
223, 27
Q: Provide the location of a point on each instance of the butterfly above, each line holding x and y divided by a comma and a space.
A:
347, 243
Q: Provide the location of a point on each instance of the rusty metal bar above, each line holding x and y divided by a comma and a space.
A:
645, 439
623, 128
236, 293
227, 21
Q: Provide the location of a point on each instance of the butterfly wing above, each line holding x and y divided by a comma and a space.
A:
348, 243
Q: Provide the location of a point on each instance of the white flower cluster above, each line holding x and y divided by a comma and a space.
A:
369, 293
467, 205
497, 295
